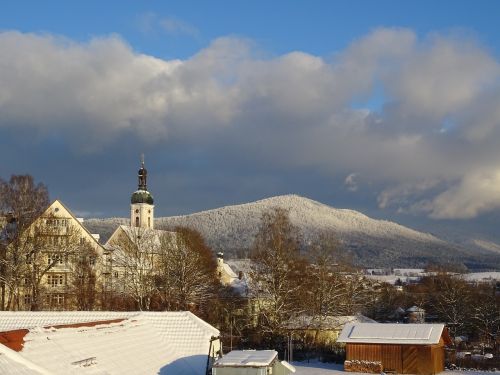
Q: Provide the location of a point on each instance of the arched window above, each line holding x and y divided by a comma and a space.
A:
137, 221
149, 222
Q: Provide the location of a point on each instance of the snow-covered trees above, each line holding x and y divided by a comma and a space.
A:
450, 297
485, 315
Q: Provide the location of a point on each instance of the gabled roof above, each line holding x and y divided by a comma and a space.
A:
116, 343
247, 358
153, 235
385, 333
75, 219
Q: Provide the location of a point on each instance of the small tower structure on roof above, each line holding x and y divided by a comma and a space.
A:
141, 202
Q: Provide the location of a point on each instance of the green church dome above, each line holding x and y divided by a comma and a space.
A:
141, 196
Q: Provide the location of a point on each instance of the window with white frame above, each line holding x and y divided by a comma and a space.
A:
55, 279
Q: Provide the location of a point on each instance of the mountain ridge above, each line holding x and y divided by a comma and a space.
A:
370, 242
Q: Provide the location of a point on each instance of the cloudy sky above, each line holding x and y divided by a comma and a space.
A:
390, 110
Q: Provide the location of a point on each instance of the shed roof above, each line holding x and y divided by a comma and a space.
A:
385, 333
247, 358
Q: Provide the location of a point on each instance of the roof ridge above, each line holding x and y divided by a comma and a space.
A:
201, 322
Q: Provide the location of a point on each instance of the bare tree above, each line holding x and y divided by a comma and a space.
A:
329, 287
188, 270
450, 297
23, 201
84, 275
135, 258
37, 263
485, 315
277, 271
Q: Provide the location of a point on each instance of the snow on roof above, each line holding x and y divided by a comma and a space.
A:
288, 366
11, 363
150, 235
247, 358
385, 333
144, 342
12, 320
238, 285
229, 271
415, 309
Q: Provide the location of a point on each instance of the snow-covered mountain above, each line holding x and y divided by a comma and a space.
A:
374, 243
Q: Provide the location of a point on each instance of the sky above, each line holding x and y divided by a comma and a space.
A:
386, 107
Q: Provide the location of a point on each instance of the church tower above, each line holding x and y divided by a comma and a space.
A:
141, 207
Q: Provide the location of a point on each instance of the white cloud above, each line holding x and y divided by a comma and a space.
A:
351, 182
284, 112
479, 191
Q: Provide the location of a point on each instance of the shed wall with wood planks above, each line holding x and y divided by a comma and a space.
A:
403, 359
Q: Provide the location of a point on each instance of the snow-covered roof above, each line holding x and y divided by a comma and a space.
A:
11, 363
149, 235
119, 343
247, 358
288, 366
229, 271
232, 279
415, 309
385, 333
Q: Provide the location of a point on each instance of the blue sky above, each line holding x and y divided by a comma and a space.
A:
318, 27
387, 107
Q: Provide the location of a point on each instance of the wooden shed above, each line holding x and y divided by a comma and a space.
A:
399, 348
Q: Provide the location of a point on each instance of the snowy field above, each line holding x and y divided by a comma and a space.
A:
318, 368
404, 277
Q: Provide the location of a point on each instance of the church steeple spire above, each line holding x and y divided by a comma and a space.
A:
142, 176
142, 207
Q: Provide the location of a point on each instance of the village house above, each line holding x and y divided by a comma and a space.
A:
43, 261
